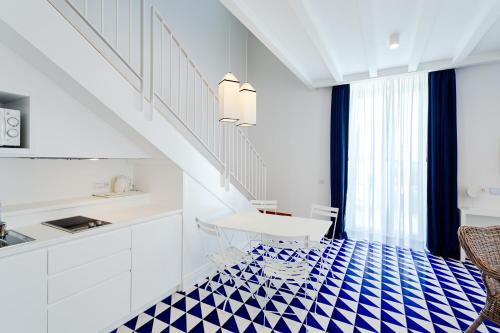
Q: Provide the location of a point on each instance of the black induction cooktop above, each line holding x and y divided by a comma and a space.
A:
76, 224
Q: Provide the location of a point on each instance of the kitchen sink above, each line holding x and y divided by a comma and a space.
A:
14, 238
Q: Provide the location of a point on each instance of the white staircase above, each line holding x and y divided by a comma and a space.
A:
135, 39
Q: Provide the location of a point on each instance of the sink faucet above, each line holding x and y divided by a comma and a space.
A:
3, 229
3, 225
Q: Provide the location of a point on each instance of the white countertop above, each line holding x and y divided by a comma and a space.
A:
120, 218
35, 207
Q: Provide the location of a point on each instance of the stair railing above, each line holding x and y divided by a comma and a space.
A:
177, 88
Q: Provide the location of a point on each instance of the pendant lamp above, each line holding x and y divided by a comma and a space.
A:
229, 99
248, 106
228, 90
247, 99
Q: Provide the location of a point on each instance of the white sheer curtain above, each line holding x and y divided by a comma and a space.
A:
387, 168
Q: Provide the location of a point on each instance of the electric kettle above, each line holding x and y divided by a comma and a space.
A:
122, 184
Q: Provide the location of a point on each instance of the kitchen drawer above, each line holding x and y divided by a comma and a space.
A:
86, 276
92, 310
79, 252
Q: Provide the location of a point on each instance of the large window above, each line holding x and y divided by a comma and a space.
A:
387, 185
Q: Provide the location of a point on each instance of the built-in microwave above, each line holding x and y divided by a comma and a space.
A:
10, 127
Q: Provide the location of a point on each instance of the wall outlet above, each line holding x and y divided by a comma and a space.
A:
101, 185
495, 190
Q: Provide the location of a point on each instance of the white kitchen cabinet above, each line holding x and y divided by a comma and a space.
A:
23, 295
89, 282
156, 259
71, 282
92, 309
83, 251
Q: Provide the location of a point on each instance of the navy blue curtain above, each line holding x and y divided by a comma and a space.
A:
339, 135
442, 206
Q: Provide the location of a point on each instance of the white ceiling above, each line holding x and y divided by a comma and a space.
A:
327, 42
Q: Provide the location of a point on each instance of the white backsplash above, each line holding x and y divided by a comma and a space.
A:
27, 180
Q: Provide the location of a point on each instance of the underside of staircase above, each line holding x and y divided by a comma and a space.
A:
150, 86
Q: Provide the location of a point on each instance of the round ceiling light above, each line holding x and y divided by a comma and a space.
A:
394, 41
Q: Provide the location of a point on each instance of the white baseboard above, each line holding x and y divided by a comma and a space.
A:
197, 276
200, 274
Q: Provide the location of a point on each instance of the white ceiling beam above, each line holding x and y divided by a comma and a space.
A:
479, 26
430, 66
367, 29
251, 21
309, 24
427, 14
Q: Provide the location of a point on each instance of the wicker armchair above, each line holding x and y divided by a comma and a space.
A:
482, 246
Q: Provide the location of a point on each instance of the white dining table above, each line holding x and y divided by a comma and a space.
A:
276, 225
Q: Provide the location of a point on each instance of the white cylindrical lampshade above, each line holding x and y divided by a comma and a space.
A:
228, 98
248, 105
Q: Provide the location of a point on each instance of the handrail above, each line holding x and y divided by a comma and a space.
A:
130, 63
165, 94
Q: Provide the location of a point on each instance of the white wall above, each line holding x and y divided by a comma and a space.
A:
292, 133
27, 180
59, 124
162, 178
199, 202
478, 108
34, 180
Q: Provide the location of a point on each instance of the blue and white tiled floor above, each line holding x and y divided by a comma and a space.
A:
369, 288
